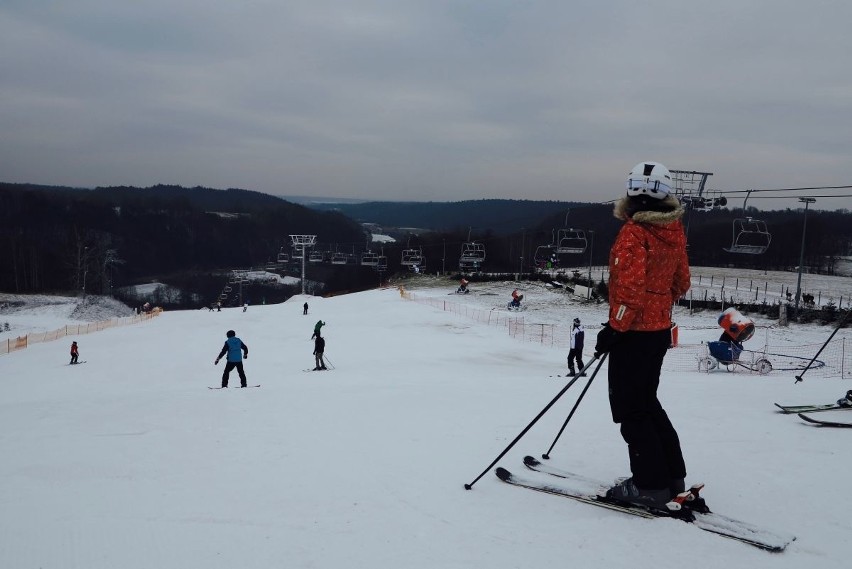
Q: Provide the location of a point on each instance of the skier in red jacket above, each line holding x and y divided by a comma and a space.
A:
649, 271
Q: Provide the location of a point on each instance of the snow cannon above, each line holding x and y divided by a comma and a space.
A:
738, 326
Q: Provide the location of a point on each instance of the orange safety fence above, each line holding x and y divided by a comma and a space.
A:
21, 342
835, 361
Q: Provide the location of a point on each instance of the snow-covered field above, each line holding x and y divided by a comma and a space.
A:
130, 461
25, 314
751, 285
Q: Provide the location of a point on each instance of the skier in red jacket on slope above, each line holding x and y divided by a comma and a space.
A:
649, 271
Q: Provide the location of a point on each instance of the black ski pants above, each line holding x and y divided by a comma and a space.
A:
228, 367
652, 442
575, 354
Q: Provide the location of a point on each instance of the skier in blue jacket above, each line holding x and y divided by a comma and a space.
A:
236, 351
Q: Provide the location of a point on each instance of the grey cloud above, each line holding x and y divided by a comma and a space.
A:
423, 99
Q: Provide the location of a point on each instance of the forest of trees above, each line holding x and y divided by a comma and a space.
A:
60, 239
829, 236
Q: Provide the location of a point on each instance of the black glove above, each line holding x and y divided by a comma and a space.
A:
607, 338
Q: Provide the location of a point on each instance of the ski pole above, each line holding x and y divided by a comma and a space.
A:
839, 326
533, 422
546, 455
328, 361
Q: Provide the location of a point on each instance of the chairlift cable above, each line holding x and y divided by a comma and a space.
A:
788, 189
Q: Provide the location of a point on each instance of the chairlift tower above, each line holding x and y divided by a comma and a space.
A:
689, 185
807, 202
301, 242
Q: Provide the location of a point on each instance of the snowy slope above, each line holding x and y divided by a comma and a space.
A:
130, 461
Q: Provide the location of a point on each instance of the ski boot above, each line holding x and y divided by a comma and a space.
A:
845, 401
627, 492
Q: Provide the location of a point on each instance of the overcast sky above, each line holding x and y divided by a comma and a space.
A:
426, 99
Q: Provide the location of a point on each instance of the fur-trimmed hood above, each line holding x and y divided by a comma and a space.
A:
648, 210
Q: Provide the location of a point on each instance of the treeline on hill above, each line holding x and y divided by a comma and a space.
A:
828, 236
66, 239
61, 239
500, 216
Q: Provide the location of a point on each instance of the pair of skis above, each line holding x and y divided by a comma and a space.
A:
802, 410
235, 387
588, 491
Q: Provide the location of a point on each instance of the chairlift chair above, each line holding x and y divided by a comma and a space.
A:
316, 257
369, 259
571, 241
473, 252
381, 263
338, 259
750, 237
544, 254
412, 257
283, 257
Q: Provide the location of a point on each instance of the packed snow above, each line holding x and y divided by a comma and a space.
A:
22, 314
130, 461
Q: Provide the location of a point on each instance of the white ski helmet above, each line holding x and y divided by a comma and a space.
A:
649, 179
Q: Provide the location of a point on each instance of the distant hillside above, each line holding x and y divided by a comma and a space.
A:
207, 199
500, 216
61, 238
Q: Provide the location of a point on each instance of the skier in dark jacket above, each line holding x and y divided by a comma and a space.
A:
319, 348
236, 351
74, 353
649, 271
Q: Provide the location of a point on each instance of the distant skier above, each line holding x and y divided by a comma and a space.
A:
236, 351
578, 334
463, 287
305, 307
245, 306
317, 328
74, 353
319, 348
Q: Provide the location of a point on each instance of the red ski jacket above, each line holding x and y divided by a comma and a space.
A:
649, 269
